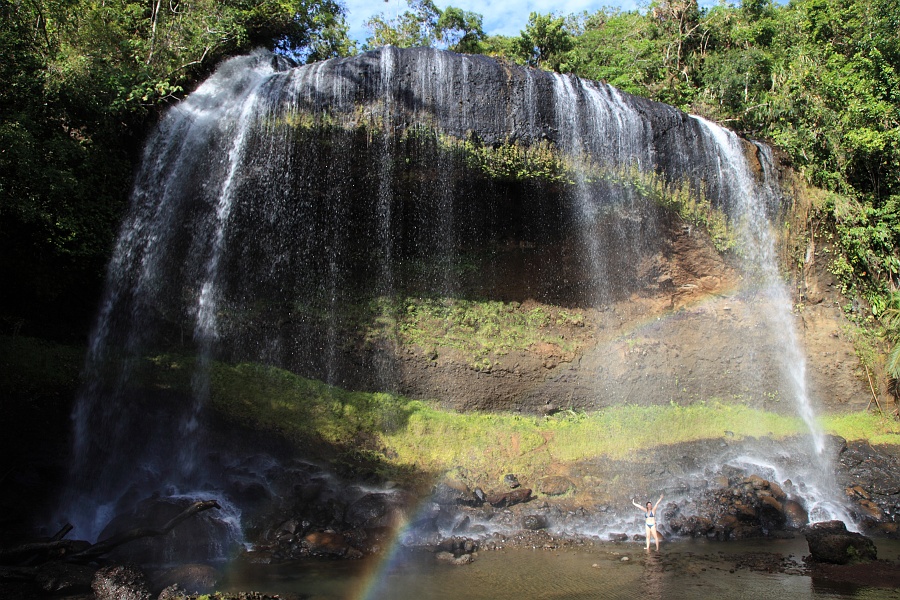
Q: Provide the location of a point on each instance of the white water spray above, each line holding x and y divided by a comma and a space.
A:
757, 244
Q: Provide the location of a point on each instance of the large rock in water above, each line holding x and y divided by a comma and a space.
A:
830, 542
121, 582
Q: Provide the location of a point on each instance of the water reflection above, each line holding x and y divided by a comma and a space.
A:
679, 571
652, 580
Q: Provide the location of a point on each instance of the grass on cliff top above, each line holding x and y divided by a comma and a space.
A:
414, 436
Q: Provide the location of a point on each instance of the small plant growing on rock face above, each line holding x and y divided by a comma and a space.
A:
484, 365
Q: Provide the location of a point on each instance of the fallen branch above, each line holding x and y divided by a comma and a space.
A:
108, 545
63, 532
40, 551
874, 396
80, 551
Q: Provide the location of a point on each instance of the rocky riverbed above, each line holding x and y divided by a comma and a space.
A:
737, 498
297, 511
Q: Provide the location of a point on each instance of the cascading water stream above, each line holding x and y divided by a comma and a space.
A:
571, 142
206, 320
384, 212
623, 146
105, 422
749, 212
273, 198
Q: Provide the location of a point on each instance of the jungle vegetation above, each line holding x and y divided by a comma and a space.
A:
82, 80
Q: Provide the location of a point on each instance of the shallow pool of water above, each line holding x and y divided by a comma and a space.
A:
681, 570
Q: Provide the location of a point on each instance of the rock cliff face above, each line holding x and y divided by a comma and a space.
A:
448, 227
471, 96
316, 201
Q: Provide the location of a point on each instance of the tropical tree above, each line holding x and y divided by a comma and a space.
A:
545, 42
619, 47
890, 318
460, 30
427, 25
413, 28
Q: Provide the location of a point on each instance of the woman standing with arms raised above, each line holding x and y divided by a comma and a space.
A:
650, 520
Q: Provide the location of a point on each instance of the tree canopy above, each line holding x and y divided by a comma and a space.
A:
427, 25
79, 82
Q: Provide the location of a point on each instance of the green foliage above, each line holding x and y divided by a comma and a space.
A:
515, 160
545, 42
501, 47
407, 436
271, 399
617, 47
416, 27
427, 25
479, 328
460, 30
866, 240
890, 318
869, 426
693, 206
79, 82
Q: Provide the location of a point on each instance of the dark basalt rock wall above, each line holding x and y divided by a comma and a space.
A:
495, 102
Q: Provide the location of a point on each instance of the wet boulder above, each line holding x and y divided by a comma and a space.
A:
121, 582
771, 512
872, 481
453, 492
534, 522
462, 524
457, 546
830, 542
796, 516
426, 521
735, 506
191, 579
516, 496
327, 544
693, 526
373, 510
554, 485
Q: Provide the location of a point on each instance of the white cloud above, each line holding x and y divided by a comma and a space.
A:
500, 17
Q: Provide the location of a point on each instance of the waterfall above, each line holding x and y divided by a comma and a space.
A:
112, 426
750, 209
276, 197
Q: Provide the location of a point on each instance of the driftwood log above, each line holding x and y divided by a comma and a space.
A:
82, 552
